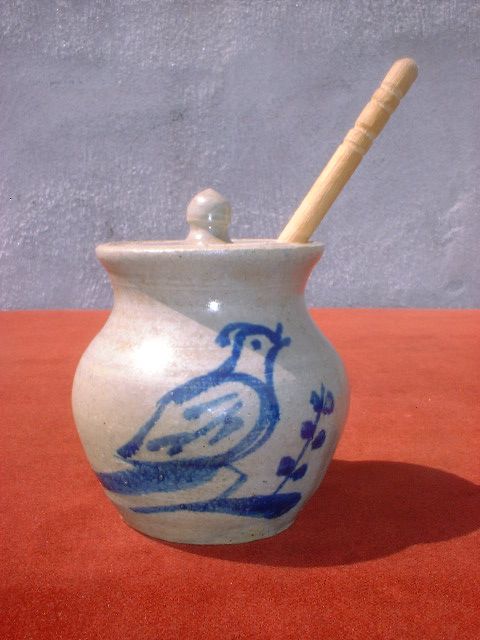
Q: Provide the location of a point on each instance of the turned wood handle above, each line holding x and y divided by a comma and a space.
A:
350, 153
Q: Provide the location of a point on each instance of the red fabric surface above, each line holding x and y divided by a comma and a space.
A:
385, 549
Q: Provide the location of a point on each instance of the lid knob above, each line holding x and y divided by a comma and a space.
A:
208, 215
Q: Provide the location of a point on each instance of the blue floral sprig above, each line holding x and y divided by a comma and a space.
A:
289, 468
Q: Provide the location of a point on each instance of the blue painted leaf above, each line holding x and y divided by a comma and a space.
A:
286, 466
300, 472
329, 404
317, 400
319, 440
307, 430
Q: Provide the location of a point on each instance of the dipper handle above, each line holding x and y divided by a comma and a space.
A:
350, 153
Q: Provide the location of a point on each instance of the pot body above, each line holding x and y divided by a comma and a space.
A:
209, 405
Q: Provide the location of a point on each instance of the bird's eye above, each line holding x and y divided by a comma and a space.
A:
256, 344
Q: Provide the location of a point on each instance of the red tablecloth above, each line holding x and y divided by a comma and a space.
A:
385, 549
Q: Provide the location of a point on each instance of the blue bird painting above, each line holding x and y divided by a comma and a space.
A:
213, 430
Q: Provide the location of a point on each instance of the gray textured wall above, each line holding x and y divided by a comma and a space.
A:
113, 114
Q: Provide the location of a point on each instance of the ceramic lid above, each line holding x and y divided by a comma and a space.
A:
208, 216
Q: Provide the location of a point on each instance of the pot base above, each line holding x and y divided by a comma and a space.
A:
182, 529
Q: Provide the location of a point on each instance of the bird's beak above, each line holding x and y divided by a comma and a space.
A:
281, 342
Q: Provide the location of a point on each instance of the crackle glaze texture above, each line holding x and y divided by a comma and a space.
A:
114, 114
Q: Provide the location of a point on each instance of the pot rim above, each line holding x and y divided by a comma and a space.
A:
179, 247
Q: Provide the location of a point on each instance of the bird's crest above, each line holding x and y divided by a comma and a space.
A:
235, 330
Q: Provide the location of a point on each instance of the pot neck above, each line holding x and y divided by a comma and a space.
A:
182, 279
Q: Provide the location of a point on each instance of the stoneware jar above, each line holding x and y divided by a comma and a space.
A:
209, 405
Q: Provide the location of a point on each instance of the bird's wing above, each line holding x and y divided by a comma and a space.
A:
209, 424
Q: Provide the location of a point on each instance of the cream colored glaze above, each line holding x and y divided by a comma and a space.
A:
171, 301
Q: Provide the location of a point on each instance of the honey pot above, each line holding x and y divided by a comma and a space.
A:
210, 405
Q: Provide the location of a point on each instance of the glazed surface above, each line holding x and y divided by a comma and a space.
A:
210, 405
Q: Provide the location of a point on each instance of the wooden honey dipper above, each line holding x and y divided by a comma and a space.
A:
349, 154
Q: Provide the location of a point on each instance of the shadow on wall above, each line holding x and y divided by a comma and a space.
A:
362, 511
